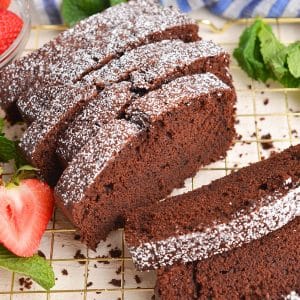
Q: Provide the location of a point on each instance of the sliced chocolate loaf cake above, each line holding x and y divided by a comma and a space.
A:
147, 67
183, 125
91, 44
268, 268
215, 218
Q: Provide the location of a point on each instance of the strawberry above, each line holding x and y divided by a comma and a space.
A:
10, 27
25, 210
4, 4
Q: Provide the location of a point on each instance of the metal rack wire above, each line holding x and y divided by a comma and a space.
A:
89, 274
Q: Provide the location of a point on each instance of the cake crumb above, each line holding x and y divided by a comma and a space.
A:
41, 254
115, 282
89, 284
266, 101
137, 279
119, 270
77, 237
64, 272
79, 255
25, 283
267, 145
115, 253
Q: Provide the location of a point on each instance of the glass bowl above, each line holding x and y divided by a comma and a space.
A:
20, 8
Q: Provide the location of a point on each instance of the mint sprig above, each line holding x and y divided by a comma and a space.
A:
262, 56
75, 10
35, 267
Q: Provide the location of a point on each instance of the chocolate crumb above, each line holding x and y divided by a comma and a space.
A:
105, 262
262, 92
25, 283
115, 282
267, 145
77, 237
109, 245
267, 85
266, 101
64, 272
249, 86
119, 270
262, 119
41, 254
237, 121
137, 279
115, 253
89, 284
98, 292
79, 255
253, 134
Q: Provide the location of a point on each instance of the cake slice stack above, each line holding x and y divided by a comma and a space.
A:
121, 109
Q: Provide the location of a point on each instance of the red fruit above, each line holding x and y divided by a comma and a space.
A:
25, 211
10, 27
4, 4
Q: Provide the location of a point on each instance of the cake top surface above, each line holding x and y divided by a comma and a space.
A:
181, 90
93, 158
220, 202
153, 60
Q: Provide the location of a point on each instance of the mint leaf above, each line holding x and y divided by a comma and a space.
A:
36, 267
75, 10
293, 59
262, 56
8, 149
1, 125
116, 2
272, 51
248, 53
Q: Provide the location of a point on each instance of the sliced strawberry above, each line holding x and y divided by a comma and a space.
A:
10, 27
4, 4
25, 211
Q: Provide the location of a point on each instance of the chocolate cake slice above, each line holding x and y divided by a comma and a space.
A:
183, 125
147, 67
38, 143
268, 268
215, 218
108, 106
91, 44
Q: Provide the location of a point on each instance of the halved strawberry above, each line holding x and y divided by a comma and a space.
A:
25, 211
10, 27
4, 4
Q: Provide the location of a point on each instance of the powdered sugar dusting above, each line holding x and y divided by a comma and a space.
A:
156, 61
170, 95
82, 172
103, 109
49, 122
91, 44
274, 212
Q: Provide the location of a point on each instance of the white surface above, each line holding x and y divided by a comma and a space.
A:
72, 287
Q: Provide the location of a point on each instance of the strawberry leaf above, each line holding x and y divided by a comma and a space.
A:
36, 267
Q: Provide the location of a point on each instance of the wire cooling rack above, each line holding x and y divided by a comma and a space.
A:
268, 119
